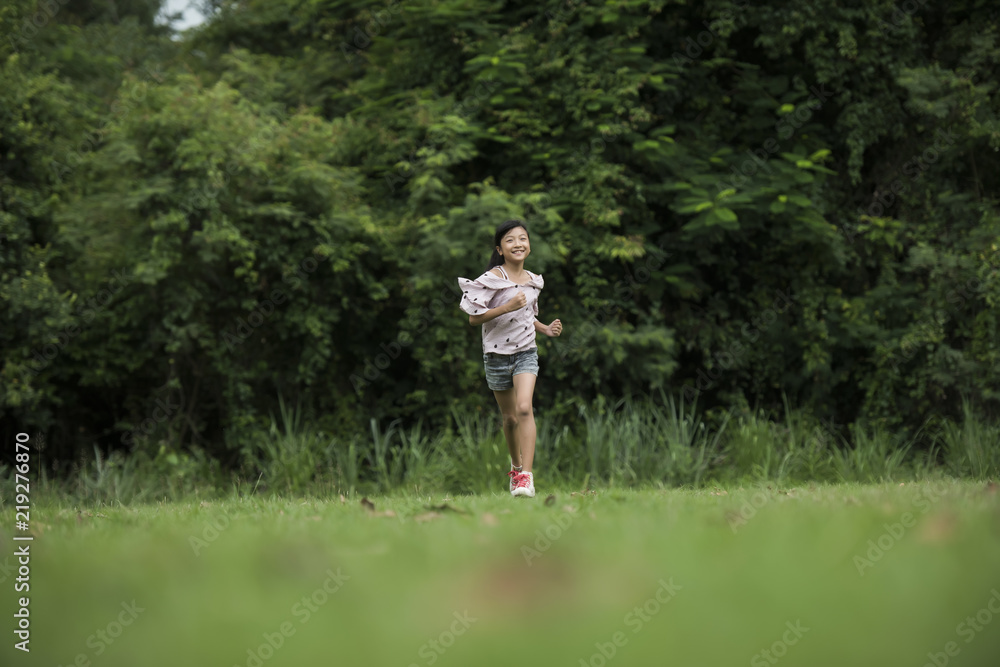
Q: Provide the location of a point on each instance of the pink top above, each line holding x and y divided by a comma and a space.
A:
511, 332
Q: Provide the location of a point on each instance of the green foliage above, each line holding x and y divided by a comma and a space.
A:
775, 205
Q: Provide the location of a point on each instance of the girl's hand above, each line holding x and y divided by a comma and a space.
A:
518, 302
555, 328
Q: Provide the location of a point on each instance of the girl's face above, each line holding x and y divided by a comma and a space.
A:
514, 246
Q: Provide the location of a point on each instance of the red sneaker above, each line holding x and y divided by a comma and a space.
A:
524, 485
514, 475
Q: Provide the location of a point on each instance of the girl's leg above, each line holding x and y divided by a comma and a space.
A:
524, 388
506, 399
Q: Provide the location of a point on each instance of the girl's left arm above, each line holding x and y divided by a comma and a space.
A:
551, 330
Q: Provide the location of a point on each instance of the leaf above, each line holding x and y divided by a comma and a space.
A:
649, 144
370, 507
697, 223
677, 186
445, 507
724, 214
698, 207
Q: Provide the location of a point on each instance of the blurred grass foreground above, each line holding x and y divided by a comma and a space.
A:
888, 574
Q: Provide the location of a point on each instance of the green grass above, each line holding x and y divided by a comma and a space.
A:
744, 562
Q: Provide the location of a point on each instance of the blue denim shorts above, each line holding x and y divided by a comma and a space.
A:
501, 368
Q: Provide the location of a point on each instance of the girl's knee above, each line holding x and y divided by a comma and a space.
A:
524, 411
510, 421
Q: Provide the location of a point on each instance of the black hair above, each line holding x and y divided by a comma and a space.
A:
502, 229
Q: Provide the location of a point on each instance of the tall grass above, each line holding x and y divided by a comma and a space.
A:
119, 477
290, 454
875, 456
643, 443
971, 448
760, 448
662, 442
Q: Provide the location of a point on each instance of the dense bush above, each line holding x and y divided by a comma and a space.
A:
743, 204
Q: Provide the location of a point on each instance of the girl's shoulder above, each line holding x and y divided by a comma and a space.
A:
491, 276
488, 280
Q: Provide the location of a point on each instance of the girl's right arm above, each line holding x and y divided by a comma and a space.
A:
519, 301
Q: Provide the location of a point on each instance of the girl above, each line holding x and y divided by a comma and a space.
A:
505, 301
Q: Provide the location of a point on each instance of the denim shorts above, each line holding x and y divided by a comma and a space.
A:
501, 368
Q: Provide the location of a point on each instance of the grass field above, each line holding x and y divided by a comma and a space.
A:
893, 574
